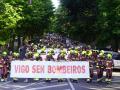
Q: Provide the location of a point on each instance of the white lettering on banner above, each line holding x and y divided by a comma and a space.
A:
49, 69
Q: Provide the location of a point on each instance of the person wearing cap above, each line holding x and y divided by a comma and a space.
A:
109, 68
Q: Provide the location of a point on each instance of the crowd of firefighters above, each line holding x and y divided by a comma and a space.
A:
54, 48
98, 60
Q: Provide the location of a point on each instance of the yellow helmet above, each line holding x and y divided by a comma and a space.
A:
76, 51
83, 52
4, 53
102, 51
71, 51
89, 53
62, 54
63, 51
101, 55
17, 54
109, 56
36, 55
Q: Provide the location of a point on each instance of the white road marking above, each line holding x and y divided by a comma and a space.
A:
117, 81
5, 87
88, 87
67, 89
36, 83
16, 86
102, 88
71, 85
5, 83
26, 86
117, 87
46, 87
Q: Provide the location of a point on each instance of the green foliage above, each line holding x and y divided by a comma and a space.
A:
36, 18
90, 21
18, 18
77, 19
109, 21
9, 16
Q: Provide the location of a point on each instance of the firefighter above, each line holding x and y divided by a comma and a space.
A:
61, 58
43, 50
10, 57
49, 57
109, 68
37, 58
29, 55
83, 56
52, 51
91, 65
94, 56
71, 55
100, 66
15, 57
5, 66
1, 68
74, 56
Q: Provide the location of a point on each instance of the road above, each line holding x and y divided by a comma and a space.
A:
66, 85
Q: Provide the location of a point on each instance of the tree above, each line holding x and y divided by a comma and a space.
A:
9, 17
109, 22
91, 21
19, 18
37, 18
79, 19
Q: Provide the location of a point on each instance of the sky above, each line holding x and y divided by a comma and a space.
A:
55, 3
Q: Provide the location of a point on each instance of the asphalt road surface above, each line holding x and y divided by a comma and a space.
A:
66, 85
